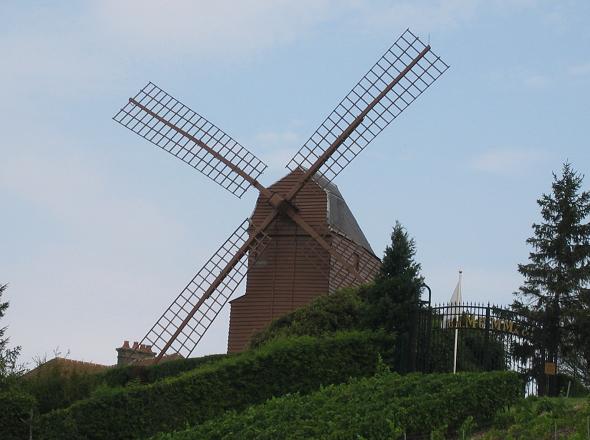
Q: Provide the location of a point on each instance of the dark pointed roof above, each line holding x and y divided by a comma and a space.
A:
340, 217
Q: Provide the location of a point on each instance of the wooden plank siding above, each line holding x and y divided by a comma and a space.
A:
291, 271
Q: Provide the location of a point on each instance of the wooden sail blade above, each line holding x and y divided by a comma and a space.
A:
172, 126
185, 321
402, 74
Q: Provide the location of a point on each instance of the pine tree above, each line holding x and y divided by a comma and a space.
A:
396, 293
8, 356
558, 272
394, 299
398, 259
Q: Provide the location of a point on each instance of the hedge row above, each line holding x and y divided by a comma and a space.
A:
121, 376
15, 415
283, 366
55, 388
382, 407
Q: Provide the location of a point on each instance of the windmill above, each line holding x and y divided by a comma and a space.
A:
406, 70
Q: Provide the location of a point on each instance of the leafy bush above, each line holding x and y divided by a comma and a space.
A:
343, 310
53, 388
283, 366
15, 414
121, 376
57, 387
382, 407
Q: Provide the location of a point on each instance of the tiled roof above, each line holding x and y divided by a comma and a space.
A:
66, 367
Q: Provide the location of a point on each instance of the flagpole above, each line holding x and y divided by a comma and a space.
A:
457, 327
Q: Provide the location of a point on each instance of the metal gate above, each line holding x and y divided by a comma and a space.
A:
489, 338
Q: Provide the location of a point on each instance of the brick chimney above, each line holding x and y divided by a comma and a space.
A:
126, 354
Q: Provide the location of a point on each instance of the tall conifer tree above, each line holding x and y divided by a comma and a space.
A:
8, 356
555, 289
397, 290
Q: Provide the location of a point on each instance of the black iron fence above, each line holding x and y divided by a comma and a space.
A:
487, 337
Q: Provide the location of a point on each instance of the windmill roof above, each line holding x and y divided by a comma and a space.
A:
340, 217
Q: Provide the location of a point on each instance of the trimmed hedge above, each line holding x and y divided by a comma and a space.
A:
283, 366
55, 388
15, 415
381, 407
121, 376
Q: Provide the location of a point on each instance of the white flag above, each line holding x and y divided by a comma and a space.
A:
456, 298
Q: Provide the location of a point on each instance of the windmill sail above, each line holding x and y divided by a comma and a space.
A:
185, 321
172, 126
402, 74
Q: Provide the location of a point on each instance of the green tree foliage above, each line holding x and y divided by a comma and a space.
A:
9, 368
555, 290
398, 260
16, 415
394, 298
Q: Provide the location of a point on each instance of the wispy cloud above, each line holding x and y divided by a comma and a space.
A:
536, 81
507, 161
223, 27
521, 78
580, 70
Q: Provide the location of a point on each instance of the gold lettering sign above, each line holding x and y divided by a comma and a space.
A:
470, 321
496, 324
508, 326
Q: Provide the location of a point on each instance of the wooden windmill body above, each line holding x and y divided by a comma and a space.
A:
301, 240
293, 270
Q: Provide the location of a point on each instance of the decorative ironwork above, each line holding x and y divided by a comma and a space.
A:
172, 126
489, 338
175, 315
407, 49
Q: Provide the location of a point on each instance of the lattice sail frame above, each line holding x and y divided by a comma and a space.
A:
386, 69
165, 327
170, 125
339, 275
352, 252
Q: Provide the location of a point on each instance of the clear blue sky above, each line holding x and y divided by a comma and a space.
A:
99, 229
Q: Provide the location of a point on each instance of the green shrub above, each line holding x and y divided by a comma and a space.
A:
380, 407
52, 388
282, 366
55, 387
341, 311
120, 376
15, 415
